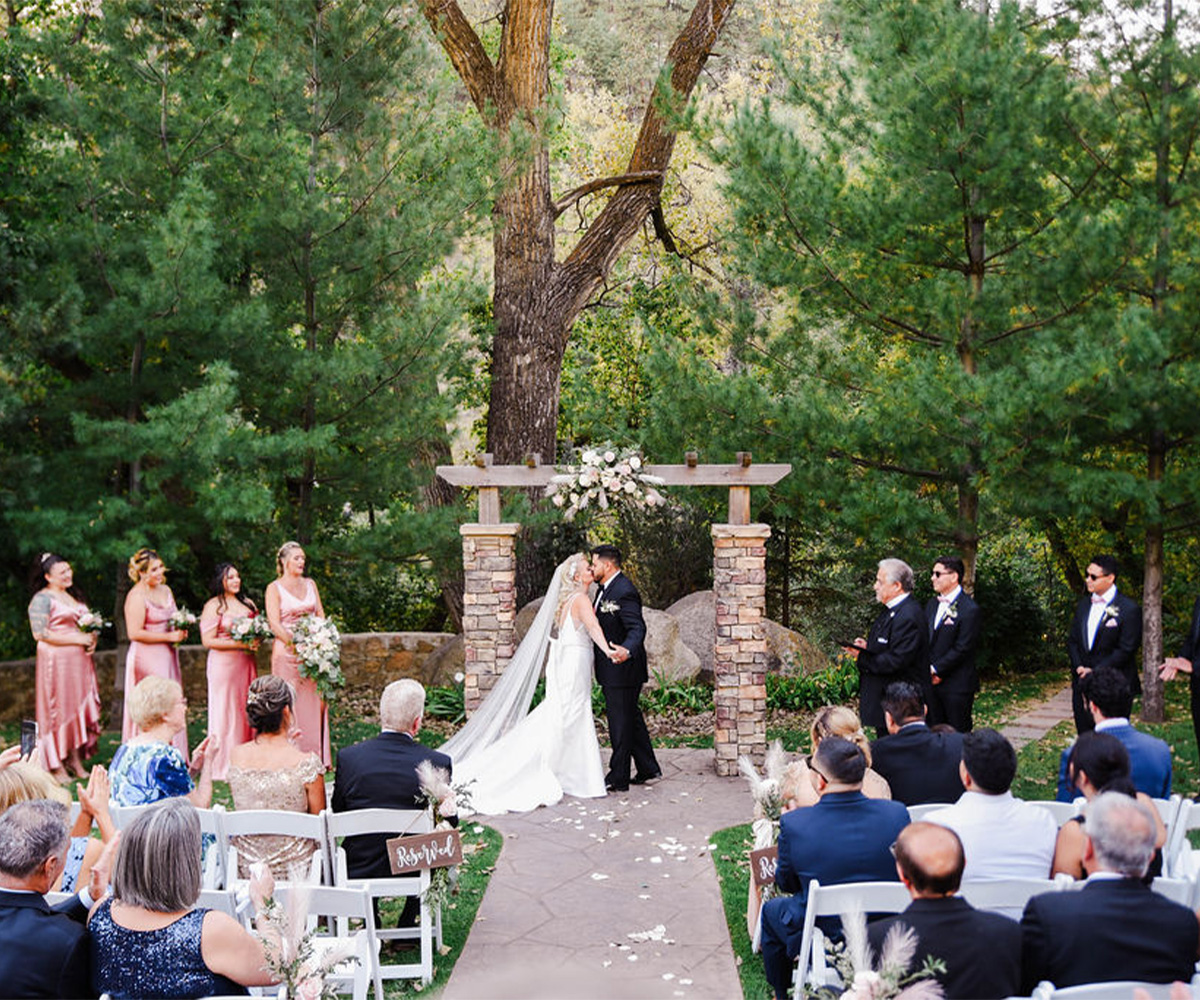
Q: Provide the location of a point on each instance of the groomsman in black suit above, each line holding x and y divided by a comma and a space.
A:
953, 635
1188, 662
619, 611
897, 646
1106, 632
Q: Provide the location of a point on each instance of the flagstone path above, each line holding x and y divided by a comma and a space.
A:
1040, 719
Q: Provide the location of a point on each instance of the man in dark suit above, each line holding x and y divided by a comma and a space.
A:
381, 773
953, 635
1108, 698
43, 950
981, 951
845, 837
619, 611
1106, 632
1188, 662
920, 765
1115, 927
897, 646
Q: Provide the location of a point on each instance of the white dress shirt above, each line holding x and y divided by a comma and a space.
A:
1096, 612
1002, 836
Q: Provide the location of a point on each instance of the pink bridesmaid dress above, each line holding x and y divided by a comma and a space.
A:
312, 715
230, 672
68, 699
160, 659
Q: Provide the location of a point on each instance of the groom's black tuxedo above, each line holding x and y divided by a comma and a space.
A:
952, 654
619, 611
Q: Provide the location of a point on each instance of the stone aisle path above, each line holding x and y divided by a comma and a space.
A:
1040, 719
613, 897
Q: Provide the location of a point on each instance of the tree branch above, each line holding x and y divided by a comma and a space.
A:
572, 196
466, 52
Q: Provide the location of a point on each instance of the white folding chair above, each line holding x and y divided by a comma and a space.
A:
1005, 896
344, 905
1061, 811
919, 813
1169, 810
834, 901
1178, 890
1179, 858
221, 900
214, 875
392, 822
53, 898
1121, 990
269, 822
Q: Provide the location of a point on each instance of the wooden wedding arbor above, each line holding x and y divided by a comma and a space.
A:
739, 581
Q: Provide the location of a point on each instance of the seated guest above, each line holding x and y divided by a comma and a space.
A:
1107, 696
381, 773
981, 951
45, 949
24, 781
270, 772
919, 764
833, 720
150, 939
1099, 763
1115, 927
1002, 836
845, 837
148, 767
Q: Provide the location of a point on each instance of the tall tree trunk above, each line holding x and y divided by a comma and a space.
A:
1152, 594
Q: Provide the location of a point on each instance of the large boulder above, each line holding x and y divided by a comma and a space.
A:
697, 617
526, 616
789, 652
668, 658
444, 663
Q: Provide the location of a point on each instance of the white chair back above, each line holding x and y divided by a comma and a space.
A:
1061, 811
214, 875
1122, 990
54, 898
270, 822
919, 813
344, 904
1179, 859
1178, 890
221, 900
1006, 895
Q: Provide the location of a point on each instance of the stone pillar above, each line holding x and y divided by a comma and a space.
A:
740, 652
489, 606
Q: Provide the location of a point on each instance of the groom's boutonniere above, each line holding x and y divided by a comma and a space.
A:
609, 607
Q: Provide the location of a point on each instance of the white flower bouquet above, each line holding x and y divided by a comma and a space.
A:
318, 646
91, 621
250, 629
181, 618
604, 476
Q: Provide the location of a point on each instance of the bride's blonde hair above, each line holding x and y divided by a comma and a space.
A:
570, 574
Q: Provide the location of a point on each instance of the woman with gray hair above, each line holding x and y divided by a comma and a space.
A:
150, 939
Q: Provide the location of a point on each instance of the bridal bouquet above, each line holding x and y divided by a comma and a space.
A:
251, 628
181, 618
91, 621
318, 646
604, 476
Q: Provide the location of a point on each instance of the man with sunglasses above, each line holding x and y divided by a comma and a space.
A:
953, 635
1105, 633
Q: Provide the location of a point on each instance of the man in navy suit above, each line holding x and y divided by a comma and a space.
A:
1115, 927
381, 773
981, 951
1106, 632
920, 765
1109, 700
619, 612
43, 950
954, 622
897, 646
845, 837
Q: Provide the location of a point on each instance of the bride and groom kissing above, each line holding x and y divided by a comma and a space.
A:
510, 759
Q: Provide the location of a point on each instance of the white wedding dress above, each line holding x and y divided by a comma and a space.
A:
552, 751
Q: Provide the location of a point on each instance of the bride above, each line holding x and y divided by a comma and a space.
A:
514, 760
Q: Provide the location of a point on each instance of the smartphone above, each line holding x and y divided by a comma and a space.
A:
29, 736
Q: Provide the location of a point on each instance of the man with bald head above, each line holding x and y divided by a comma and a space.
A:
981, 951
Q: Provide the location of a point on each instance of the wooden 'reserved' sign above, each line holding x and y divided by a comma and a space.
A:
426, 850
762, 865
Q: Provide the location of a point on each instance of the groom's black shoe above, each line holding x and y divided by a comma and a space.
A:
641, 779
609, 786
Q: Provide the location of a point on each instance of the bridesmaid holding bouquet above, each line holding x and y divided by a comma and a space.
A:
149, 608
68, 700
289, 598
231, 666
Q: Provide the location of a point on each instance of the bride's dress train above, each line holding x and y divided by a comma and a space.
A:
553, 750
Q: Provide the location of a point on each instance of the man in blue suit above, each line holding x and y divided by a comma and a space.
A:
1107, 696
845, 837
45, 950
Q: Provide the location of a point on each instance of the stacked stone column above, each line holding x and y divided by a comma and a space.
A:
489, 606
740, 652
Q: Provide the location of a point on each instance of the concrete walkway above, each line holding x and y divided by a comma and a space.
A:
1040, 719
613, 897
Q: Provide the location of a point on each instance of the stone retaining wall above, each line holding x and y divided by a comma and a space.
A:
370, 659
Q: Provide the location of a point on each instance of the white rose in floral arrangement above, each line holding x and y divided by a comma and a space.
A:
635, 463
610, 456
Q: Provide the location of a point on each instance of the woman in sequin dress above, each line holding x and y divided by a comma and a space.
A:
149, 939
149, 606
272, 773
68, 700
231, 665
290, 598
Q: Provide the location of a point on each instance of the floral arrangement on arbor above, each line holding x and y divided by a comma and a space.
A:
318, 646
91, 621
250, 628
606, 475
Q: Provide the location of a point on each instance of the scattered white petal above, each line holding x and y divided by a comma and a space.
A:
668, 976
656, 860
631, 958
597, 877
656, 933
644, 895
690, 827
685, 982
606, 963
639, 859
684, 794
638, 833
614, 833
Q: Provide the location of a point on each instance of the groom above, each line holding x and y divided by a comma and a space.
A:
619, 610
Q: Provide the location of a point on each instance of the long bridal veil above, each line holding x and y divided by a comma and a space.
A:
508, 701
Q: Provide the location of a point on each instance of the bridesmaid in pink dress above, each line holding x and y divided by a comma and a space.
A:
289, 598
231, 666
68, 700
148, 609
